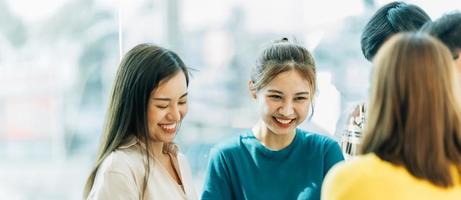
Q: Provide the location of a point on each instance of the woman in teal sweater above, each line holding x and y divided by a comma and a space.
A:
275, 159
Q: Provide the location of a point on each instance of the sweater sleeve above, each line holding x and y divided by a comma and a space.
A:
333, 155
217, 181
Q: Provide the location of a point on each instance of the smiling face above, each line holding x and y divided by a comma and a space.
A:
284, 102
167, 107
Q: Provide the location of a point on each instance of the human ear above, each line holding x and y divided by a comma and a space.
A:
252, 89
458, 61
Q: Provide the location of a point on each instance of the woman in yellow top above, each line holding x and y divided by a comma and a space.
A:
412, 140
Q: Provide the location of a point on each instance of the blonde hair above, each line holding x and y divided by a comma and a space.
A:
414, 113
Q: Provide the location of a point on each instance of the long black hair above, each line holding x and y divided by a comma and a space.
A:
139, 73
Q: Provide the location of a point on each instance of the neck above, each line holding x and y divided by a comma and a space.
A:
156, 148
272, 140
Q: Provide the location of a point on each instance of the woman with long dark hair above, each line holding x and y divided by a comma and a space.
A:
137, 158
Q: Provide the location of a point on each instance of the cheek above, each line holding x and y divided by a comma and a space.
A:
267, 106
183, 111
154, 115
303, 108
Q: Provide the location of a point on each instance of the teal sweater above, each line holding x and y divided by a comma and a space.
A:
245, 169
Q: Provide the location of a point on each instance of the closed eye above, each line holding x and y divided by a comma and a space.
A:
275, 96
161, 106
301, 98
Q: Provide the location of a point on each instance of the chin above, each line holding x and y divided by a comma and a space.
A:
282, 131
168, 139
165, 137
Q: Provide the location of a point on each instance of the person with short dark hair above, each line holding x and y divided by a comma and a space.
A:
448, 30
390, 19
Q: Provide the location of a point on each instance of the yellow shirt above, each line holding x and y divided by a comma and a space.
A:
369, 177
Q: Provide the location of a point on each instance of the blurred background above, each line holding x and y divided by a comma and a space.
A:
58, 59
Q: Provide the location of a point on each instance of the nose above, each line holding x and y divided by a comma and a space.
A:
174, 114
287, 108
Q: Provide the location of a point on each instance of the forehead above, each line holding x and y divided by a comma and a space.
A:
290, 82
174, 86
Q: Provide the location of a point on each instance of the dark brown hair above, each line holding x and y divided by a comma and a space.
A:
141, 70
281, 56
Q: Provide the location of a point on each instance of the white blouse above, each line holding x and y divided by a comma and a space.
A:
121, 176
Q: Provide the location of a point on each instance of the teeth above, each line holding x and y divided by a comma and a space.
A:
169, 127
283, 121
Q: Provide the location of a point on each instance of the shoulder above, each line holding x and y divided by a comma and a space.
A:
347, 180
231, 147
228, 146
357, 171
315, 139
322, 147
119, 175
125, 161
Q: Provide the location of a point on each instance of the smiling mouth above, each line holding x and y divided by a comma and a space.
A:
284, 123
169, 128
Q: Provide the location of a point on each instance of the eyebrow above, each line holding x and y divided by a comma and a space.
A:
168, 99
279, 92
